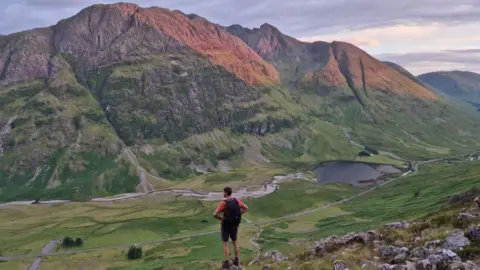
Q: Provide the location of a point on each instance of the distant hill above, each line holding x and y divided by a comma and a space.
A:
460, 84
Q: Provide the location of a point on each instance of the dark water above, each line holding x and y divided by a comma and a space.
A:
351, 172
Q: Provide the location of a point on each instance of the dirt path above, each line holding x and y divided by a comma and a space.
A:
257, 246
45, 250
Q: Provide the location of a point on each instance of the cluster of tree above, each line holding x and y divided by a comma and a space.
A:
371, 150
69, 242
134, 252
364, 154
368, 151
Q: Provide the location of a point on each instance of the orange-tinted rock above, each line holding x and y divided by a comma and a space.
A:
337, 64
330, 74
105, 34
367, 72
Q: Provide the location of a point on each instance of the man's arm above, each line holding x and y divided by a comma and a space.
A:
243, 207
220, 208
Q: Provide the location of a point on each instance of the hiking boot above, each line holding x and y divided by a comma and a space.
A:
226, 265
236, 261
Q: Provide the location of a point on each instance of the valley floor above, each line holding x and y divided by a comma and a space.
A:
26, 229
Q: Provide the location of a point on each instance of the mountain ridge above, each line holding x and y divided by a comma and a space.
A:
190, 99
359, 68
463, 84
67, 37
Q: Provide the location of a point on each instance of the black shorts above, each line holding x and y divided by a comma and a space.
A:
229, 232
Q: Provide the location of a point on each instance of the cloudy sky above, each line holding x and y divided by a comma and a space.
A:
421, 35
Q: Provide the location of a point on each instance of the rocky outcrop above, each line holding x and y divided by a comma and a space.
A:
436, 254
274, 256
474, 233
456, 241
339, 265
393, 254
433, 244
333, 243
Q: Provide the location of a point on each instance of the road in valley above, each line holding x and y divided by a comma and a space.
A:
45, 250
256, 224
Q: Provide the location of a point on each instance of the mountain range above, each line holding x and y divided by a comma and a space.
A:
121, 98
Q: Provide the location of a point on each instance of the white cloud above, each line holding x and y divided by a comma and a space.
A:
422, 62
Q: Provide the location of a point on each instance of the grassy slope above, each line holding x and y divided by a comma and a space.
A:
408, 198
415, 130
61, 130
301, 128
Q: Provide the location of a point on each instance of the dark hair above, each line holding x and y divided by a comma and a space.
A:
228, 190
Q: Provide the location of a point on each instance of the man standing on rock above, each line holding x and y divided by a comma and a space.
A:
232, 210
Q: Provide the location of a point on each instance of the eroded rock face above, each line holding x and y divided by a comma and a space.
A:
456, 241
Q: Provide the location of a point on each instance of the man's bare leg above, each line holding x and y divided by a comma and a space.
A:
236, 250
226, 251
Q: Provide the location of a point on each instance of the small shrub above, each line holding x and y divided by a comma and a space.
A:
371, 150
134, 253
78, 242
460, 223
391, 235
469, 253
68, 242
364, 154
77, 122
418, 227
441, 220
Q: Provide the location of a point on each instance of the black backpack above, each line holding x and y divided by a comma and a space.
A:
233, 212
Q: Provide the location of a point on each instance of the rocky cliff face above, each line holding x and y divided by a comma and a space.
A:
332, 64
106, 34
291, 57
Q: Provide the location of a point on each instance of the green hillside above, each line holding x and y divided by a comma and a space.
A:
135, 106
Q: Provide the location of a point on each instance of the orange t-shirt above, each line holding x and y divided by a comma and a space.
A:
221, 206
